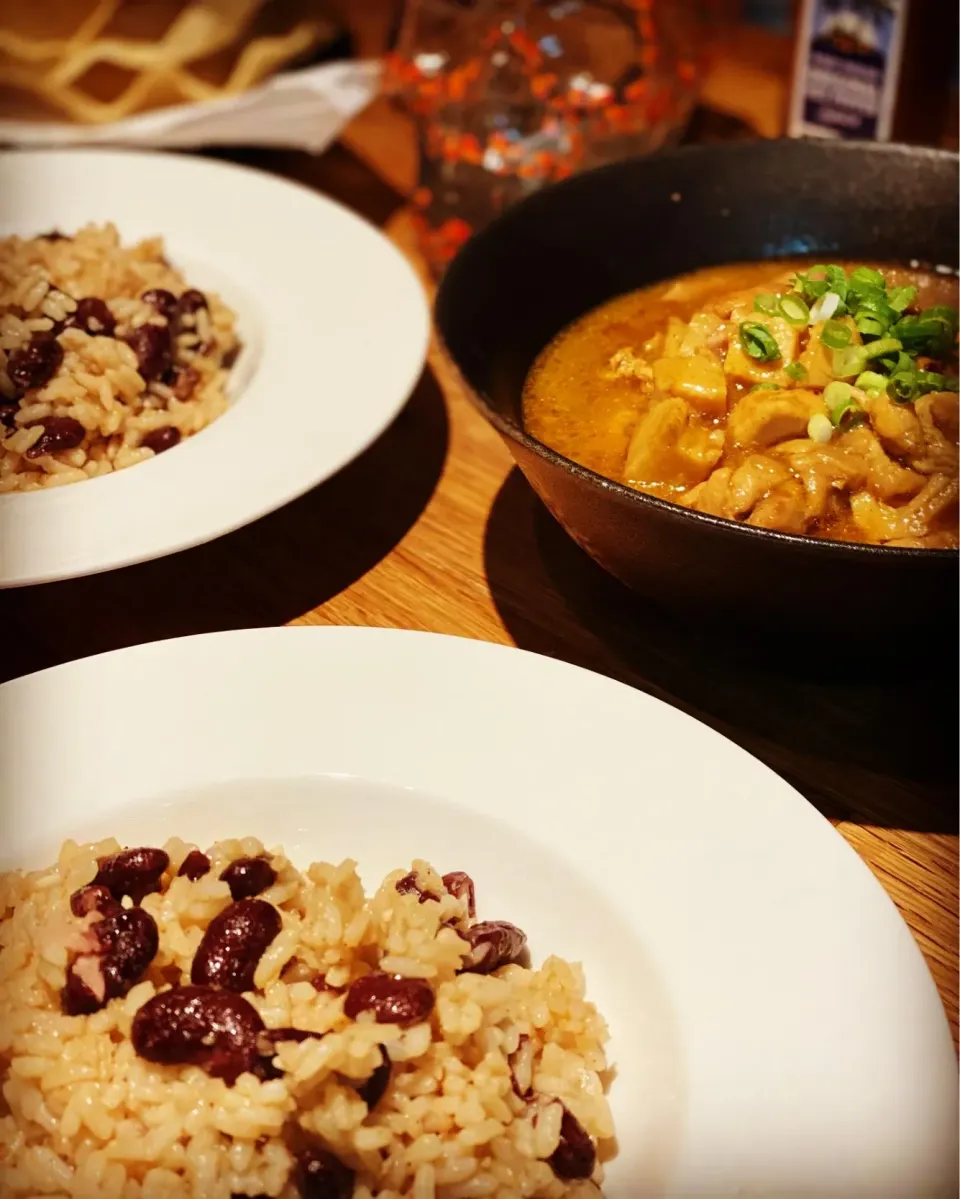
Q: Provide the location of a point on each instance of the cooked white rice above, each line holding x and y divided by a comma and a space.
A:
100, 383
477, 1096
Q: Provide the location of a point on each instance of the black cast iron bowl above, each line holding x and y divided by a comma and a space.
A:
567, 248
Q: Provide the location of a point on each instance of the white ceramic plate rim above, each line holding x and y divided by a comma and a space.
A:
811, 1033
336, 325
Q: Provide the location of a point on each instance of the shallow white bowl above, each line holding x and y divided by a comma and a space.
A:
774, 1027
335, 326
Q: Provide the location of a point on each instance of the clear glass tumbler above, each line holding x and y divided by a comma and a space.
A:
507, 97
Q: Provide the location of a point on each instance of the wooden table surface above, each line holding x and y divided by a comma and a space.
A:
433, 528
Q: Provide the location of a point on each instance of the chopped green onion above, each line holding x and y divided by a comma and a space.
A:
764, 387
758, 342
902, 387
794, 309
796, 370
841, 404
864, 278
934, 381
943, 313
767, 303
835, 335
933, 332
851, 360
901, 298
837, 279
812, 286
836, 392
870, 325
819, 428
871, 381
827, 305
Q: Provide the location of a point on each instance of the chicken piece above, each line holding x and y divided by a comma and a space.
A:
824, 470
669, 447
706, 331
783, 509
698, 379
888, 480
817, 359
752, 481
897, 425
937, 414
710, 496
944, 408
674, 334
625, 364
882, 523
761, 418
740, 366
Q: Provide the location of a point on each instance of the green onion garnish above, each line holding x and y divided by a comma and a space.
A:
870, 326
934, 381
841, 405
835, 335
764, 387
825, 307
864, 278
796, 370
871, 381
812, 283
852, 360
767, 303
758, 342
902, 386
794, 309
901, 298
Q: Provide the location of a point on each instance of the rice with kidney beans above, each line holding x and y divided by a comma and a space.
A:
107, 356
181, 1023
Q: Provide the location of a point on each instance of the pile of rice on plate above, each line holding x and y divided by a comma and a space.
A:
107, 356
179, 1023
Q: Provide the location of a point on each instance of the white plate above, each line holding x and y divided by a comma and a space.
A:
775, 1030
334, 321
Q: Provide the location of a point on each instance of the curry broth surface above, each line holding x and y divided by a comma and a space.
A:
575, 404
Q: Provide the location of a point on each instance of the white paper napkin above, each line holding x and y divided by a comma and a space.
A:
303, 110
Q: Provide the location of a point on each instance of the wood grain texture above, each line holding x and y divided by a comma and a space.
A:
432, 528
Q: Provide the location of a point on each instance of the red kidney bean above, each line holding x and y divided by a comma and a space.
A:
234, 943
320, 1175
163, 301
126, 942
248, 876
230, 357
8, 412
91, 899
153, 347
35, 363
159, 440
54, 235
92, 316
133, 872
182, 380
408, 885
493, 943
199, 1026
575, 1156
391, 998
460, 885
59, 433
195, 865
191, 301
374, 1088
